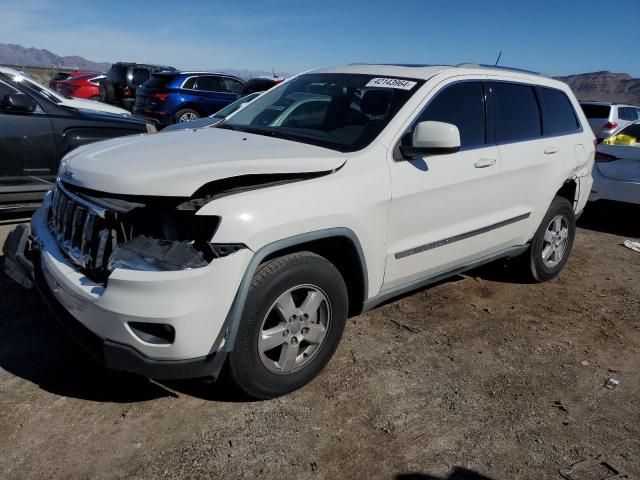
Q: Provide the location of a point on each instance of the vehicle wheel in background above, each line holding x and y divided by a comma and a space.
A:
552, 243
186, 115
292, 323
107, 91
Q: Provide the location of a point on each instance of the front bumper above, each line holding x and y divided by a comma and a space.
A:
194, 302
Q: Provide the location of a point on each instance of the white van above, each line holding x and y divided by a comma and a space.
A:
253, 241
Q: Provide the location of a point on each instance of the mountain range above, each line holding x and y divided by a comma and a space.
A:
602, 86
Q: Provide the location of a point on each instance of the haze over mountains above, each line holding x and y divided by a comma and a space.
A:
602, 86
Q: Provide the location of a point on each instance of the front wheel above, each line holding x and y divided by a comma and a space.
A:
292, 323
552, 243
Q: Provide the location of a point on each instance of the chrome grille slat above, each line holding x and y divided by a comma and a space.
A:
80, 229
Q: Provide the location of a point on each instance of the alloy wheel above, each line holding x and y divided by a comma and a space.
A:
294, 328
555, 241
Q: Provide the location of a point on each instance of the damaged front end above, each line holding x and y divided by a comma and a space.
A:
100, 232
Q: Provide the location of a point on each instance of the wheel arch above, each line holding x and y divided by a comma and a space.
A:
339, 245
570, 190
187, 105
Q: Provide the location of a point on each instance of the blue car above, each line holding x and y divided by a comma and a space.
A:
172, 97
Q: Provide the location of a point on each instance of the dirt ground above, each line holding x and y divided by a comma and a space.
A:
478, 377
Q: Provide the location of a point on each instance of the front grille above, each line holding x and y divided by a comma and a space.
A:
81, 230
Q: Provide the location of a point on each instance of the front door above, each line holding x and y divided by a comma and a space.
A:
444, 207
27, 152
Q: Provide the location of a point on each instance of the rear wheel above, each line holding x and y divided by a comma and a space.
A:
552, 243
107, 91
186, 115
295, 313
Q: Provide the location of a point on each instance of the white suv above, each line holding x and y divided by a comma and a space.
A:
252, 242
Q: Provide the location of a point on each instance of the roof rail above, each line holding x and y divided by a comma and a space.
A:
499, 67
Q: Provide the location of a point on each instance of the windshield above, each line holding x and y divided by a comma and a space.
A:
343, 112
232, 107
46, 92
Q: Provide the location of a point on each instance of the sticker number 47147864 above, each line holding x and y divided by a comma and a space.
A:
391, 83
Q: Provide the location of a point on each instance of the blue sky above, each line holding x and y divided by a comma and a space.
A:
555, 37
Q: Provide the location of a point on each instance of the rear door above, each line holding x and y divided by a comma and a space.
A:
540, 142
27, 152
213, 93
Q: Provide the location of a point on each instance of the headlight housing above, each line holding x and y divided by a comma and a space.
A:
151, 254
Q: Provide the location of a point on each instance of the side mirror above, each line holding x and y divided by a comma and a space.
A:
432, 138
18, 102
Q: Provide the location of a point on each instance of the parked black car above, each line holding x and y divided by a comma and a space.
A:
122, 80
259, 84
36, 132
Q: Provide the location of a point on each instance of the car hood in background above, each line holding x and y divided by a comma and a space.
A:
91, 105
200, 123
178, 163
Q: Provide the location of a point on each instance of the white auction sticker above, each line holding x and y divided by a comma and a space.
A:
391, 83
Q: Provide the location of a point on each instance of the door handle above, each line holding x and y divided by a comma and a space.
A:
485, 162
551, 150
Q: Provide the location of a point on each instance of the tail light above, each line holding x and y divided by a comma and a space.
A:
160, 96
605, 157
610, 126
127, 92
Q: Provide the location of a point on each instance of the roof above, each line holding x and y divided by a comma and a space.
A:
424, 71
605, 104
9, 71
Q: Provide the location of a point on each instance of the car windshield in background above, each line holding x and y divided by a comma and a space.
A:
232, 107
39, 89
629, 136
343, 112
595, 111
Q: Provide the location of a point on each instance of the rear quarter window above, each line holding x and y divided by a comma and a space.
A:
559, 117
516, 112
596, 111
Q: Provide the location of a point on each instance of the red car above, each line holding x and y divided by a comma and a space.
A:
60, 76
85, 86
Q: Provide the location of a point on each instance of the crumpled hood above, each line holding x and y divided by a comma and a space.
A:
96, 106
178, 163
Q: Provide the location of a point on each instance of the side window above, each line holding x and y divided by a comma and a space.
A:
517, 115
461, 104
559, 116
627, 113
208, 84
231, 85
638, 113
190, 83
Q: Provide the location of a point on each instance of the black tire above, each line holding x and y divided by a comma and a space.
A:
535, 267
273, 279
107, 91
185, 111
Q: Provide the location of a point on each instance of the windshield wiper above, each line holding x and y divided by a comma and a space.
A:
272, 132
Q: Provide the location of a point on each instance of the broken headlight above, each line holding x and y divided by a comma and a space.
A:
151, 254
